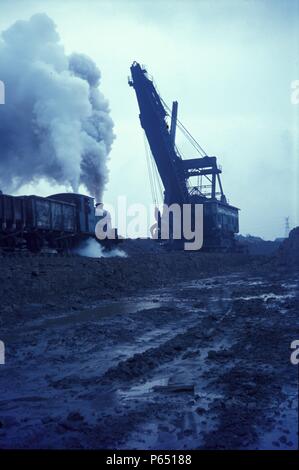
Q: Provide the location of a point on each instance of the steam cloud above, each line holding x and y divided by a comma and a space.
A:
55, 123
92, 249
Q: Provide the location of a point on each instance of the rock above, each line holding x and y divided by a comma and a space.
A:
212, 354
47, 420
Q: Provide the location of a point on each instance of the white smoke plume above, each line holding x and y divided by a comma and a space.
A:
92, 249
55, 123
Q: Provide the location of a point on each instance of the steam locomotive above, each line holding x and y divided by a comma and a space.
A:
59, 222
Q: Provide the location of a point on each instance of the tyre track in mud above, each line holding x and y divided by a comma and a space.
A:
212, 335
138, 372
260, 410
45, 373
249, 376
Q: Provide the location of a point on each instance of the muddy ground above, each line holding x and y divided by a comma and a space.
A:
153, 351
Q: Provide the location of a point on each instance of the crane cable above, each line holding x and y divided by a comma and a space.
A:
189, 137
149, 170
157, 179
154, 179
187, 134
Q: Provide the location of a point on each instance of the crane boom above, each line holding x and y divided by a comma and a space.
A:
161, 140
220, 219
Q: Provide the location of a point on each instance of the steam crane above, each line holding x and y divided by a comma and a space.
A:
220, 220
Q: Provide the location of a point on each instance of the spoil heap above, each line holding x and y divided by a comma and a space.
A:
288, 253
